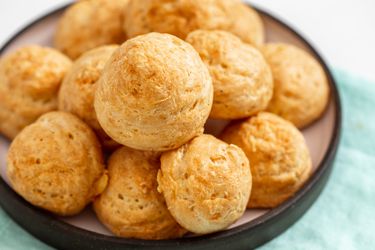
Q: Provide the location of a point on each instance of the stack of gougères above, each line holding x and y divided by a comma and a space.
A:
146, 77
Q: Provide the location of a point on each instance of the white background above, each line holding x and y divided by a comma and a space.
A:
343, 30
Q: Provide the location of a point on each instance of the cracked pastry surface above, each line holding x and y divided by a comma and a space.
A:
29, 81
241, 77
77, 91
89, 24
278, 154
131, 205
155, 93
206, 184
56, 164
301, 90
184, 16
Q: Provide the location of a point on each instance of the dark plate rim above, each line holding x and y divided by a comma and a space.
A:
46, 227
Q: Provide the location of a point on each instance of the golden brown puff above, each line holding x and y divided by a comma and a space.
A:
241, 77
206, 184
155, 93
279, 157
89, 24
301, 90
29, 81
181, 17
247, 24
131, 206
77, 91
56, 163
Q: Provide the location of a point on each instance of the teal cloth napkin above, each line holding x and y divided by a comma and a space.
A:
343, 216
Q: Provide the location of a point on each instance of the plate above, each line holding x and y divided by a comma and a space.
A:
253, 229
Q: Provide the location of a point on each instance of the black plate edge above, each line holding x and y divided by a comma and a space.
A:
250, 235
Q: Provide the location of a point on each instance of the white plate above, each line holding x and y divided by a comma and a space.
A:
318, 135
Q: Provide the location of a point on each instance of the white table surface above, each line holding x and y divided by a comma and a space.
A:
342, 30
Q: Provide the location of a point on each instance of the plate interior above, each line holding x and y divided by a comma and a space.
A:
317, 135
